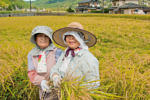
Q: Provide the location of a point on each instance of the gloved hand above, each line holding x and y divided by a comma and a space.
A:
44, 86
56, 80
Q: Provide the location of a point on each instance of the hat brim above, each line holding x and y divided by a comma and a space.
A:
58, 36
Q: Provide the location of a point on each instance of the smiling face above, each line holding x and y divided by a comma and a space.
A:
72, 42
42, 40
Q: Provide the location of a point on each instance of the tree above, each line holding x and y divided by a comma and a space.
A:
70, 9
12, 4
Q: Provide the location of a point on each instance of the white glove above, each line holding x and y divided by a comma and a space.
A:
44, 85
56, 80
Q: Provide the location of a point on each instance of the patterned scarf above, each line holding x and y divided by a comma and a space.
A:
70, 50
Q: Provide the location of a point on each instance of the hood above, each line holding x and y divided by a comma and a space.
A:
41, 29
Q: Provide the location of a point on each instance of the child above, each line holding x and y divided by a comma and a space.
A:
42, 58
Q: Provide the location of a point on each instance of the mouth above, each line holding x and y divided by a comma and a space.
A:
71, 43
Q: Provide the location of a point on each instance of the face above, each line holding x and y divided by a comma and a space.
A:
42, 40
72, 42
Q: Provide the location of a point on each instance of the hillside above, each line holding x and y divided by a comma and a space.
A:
63, 4
55, 3
12, 4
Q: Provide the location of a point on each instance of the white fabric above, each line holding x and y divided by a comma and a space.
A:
42, 68
41, 29
44, 85
56, 80
65, 63
77, 37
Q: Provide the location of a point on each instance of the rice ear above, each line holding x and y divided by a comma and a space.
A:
72, 88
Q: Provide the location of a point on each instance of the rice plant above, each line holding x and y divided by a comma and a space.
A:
122, 49
75, 88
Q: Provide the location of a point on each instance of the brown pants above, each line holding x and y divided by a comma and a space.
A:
48, 96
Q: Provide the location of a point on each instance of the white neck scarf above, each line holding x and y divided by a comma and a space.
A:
42, 67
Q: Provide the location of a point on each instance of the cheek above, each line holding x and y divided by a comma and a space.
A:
67, 41
77, 44
47, 40
37, 40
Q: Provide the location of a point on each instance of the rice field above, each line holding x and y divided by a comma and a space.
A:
123, 51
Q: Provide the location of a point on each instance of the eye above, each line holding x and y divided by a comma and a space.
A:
46, 36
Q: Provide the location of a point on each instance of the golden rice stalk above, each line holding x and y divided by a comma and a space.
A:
75, 89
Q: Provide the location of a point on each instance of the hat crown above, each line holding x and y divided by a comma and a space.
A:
40, 29
75, 25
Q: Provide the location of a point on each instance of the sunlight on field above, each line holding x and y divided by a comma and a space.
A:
123, 50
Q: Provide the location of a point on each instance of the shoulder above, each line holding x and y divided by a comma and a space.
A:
58, 53
31, 52
87, 55
58, 50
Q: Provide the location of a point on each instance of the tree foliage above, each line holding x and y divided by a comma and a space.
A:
70, 9
12, 4
56, 3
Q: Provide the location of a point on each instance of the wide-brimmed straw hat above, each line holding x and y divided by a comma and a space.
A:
89, 38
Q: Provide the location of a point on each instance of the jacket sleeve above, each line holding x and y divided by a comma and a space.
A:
90, 69
32, 74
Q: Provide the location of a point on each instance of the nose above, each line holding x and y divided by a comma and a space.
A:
71, 38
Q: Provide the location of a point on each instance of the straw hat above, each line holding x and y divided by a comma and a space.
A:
89, 38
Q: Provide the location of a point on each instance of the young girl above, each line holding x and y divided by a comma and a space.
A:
41, 59
76, 59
